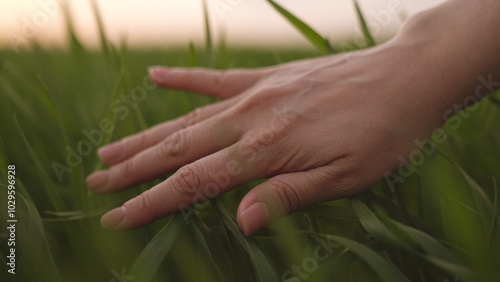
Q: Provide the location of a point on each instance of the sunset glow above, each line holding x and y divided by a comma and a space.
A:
173, 23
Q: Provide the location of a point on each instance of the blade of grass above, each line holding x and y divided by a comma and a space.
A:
314, 37
455, 270
4, 160
222, 50
372, 224
35, 247
126, 77
83, 214
208, 246
209, 50
193, 57
452, 212
402, 205
364, 27
496, 217
332, 212
50, 106
140, 119
44, 176
487, 210
494, 101
48, 103
28, 248
112, 115
100, 25
384, 270
263, 266
20, 104
75, 43
426, 243
151, 258
408, 238
432, 250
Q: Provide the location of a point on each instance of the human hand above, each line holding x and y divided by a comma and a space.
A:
321, 129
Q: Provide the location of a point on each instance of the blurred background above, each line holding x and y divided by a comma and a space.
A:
161, 23
439, 225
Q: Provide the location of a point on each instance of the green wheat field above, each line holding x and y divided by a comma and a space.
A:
58, 106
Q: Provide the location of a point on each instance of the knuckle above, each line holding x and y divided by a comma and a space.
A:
250, 148
144, 204
189, 75
249, 104
191, 118
141, 140
186, 182
261, 97
262, 144
221, 80
255, 101
287, 195
196, 72
136, 142
173, 146
127, 168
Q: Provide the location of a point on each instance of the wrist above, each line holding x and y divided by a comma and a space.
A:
457, 48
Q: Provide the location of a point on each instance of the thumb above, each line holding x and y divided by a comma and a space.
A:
285, 194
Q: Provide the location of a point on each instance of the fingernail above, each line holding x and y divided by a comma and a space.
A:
157, 73
111, 152
113, 218
254, 218
97, 179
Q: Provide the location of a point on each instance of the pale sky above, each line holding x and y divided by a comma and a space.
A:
176, 22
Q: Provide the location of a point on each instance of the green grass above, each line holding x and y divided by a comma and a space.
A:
441, 224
